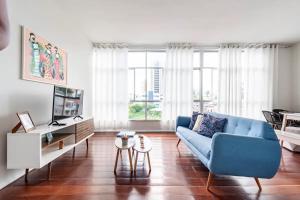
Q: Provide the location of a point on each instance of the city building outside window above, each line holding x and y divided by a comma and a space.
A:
205, 80
145, 84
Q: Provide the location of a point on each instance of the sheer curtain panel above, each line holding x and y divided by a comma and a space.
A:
110, 92
230, 80
177, 84
260, 68
248, 79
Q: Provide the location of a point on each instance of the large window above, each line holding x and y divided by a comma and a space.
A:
145, 84
205, 80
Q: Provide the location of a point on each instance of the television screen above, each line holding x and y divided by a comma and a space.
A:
67, 102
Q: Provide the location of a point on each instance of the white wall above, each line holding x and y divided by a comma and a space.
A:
284, 99
16, 95
295, 87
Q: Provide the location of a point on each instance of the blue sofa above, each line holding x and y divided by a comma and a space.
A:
246, 148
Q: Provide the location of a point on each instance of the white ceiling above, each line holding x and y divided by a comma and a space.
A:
197, 21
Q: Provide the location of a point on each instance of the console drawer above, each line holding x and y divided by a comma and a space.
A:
84, 129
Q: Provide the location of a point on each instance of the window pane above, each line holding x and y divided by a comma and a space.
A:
137, 59
196, 59
137, 111
131, 84
209, 106
140, 84
156, 59
196, 107
211, 59
196, 84
153, 111
207, 84
154, 81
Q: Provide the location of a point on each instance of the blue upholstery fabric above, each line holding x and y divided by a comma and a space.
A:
183, 121
201, 157
250, 127
200, 142
211, 124
244, 156
246, 147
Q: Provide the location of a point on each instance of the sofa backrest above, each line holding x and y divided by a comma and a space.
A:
250, 127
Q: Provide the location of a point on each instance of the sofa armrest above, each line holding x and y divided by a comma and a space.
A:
183, 121
244, 156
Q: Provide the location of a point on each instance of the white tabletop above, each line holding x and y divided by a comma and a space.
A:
44, 128
119, 143
138, 146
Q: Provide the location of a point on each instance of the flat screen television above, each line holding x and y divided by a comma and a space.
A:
67, 102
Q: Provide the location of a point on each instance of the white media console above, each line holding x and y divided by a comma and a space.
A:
32, 151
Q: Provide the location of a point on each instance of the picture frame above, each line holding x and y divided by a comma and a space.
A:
26, 121
42, 60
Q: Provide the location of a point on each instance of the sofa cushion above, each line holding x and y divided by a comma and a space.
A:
193, 119
185, 132
202, 144
199, 142
198, 123
210, 125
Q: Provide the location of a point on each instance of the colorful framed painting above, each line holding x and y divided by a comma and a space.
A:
43, 61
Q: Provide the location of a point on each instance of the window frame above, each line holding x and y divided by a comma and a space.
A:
146, 101
200, 69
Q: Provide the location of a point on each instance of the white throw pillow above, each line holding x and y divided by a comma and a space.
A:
198, 123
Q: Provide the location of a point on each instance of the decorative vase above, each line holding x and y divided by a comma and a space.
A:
125, 140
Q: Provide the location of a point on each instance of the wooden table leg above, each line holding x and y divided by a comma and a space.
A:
132, 153
116, 163
136, 159
49, 170
87, 143
130, 160
149, 163
26, 175
73, 153
281, 148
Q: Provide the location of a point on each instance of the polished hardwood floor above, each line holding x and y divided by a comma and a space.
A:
176, 174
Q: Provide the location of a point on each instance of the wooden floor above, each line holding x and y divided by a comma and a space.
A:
176, 174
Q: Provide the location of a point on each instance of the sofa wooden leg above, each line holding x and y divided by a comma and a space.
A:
209, 180
179, 140
258, 183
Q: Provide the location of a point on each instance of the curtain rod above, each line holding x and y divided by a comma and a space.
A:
196, 46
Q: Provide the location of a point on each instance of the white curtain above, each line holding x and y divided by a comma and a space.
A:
230, 80
110, 92
177, 84
260, 68
248, 78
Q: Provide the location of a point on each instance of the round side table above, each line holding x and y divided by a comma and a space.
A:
145, 149
120, 148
